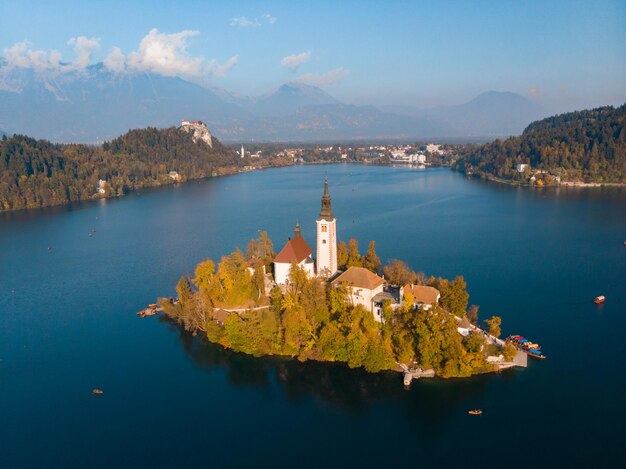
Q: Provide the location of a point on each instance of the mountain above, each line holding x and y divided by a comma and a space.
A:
492, 113
290, 98
95, 104
587, 146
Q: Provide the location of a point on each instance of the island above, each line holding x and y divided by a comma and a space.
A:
338, 308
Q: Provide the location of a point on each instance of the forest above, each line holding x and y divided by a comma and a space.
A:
38, 173
311, 320
586, 146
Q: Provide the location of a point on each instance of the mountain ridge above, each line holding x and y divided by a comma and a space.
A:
96, 105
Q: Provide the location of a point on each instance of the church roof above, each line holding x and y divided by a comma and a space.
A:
295, 249
359, 277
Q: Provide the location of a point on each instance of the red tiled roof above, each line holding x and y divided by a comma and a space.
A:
423, 293
359, 277
295, 249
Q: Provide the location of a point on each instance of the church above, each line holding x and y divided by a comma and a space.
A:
297, 249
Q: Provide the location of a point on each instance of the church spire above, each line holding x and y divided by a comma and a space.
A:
296, 232
327, 210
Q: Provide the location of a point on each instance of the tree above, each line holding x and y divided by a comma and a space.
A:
342, 254
472, 314
371, 260
398, 273
260, 251
354, 258
494, 325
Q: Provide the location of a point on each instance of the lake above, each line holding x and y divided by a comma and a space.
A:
535, 257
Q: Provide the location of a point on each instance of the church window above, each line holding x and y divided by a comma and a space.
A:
323, 241
324, 228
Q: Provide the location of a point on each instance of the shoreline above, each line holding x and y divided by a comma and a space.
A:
568, 184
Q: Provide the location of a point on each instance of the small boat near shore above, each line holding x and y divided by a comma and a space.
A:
475, 412
97, 391
526, 346
599, 299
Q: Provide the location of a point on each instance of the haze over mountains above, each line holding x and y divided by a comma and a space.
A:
95, 104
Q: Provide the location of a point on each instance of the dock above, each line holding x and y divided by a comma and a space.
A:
411, 374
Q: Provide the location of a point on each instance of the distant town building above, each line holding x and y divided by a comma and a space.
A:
242, 152
295, 250
521, 167
421, 158
432, 148
101, 189
174, 175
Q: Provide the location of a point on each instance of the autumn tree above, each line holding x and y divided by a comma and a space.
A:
342, 254
371, 260
398, 273
354, 258
494, 325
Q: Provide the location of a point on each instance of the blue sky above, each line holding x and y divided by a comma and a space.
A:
564, 54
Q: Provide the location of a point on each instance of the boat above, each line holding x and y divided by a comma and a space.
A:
97, 391
599, 299
475, 412
523, 344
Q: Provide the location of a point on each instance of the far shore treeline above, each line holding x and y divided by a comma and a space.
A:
38, 173
311, 320
587, 146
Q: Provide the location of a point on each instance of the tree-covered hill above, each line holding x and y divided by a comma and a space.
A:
587, 146
38, 173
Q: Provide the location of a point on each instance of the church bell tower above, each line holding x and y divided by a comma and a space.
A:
326, 237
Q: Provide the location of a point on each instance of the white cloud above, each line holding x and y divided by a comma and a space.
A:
269, 18
83, 46
292, 62
244, 22
166, 54
324, 79
115, 61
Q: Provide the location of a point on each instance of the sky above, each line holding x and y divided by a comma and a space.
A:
563, 54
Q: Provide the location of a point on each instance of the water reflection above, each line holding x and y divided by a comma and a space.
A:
354, 391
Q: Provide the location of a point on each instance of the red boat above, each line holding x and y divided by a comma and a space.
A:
599, 299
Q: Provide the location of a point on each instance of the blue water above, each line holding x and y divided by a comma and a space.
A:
535, 257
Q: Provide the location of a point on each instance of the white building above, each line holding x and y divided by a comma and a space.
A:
326, 237
432, 148
242, 153
363, 285
295, 250
521, 168
174, 175
101, 186
421, 158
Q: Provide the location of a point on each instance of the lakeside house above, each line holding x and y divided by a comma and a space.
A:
363, 287
423, 295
